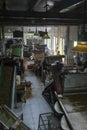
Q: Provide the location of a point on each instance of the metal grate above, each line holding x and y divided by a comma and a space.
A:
48, 121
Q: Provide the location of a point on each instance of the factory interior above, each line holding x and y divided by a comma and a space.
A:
43, 65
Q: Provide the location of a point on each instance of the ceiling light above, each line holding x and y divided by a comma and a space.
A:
46, 36
80, 48
36, 32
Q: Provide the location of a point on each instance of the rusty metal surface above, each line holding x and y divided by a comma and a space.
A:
76, 107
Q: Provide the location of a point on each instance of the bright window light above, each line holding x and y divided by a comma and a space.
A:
75, 43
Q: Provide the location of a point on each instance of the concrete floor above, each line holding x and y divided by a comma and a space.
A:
34, 105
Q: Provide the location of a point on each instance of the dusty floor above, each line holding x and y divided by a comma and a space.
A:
34, 105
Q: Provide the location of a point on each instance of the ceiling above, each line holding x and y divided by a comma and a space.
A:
34, 12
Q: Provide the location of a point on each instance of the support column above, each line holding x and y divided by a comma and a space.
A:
2, 38
69, 45
66, 49
2, 32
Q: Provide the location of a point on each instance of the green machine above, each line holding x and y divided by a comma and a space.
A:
17, 50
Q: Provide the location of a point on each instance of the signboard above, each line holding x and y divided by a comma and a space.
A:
18, 34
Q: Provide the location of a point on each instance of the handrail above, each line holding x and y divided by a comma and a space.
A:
6, 128
13, 87
65, 113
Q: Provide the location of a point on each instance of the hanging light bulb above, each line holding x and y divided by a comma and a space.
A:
46, 36
36, 32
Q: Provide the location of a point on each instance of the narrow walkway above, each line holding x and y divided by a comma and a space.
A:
35, 105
